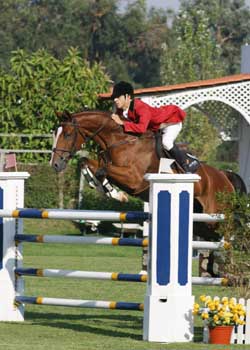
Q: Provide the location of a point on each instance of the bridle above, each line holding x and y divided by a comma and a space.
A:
76, 130
66, 154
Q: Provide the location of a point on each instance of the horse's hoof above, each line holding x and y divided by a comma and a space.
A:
122, 197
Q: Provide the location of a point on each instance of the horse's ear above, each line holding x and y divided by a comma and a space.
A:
64, 116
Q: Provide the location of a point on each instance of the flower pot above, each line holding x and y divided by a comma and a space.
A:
220, 334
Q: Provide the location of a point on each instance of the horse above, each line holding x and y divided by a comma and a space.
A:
125, 158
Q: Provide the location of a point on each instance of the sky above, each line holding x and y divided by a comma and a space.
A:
173, 4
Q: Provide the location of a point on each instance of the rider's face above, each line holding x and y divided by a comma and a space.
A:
122, 102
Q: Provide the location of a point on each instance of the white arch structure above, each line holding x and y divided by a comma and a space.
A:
232, 91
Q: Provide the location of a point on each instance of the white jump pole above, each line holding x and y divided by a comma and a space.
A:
169, 302
11, 197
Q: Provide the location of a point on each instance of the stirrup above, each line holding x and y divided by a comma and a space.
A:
186, 169
193, 165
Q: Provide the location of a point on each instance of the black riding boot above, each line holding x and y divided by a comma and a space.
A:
179, 156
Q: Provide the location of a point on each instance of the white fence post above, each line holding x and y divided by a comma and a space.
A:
11, 197
169, 302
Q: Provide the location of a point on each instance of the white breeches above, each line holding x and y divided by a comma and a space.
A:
169, 134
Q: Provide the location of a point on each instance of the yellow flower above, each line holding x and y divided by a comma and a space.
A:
240, 322
204, 315
211, 306
203, 298
233, 308
241, 313
235, 318
216, 303
220, 311
219, 307
221, 314
216, 318
239, 307
224, 300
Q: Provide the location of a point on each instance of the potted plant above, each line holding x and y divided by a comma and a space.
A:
220, 316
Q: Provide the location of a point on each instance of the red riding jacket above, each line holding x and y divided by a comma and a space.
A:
144, 117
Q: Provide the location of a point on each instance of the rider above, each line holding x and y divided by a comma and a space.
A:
139, 117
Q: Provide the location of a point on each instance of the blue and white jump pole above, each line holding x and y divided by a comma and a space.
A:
169, 302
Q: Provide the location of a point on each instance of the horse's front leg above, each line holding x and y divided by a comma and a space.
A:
100, 182
92, 164
128, 177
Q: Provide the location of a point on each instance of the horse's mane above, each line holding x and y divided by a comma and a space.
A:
91, 112
111, 123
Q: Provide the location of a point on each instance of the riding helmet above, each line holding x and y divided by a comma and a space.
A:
122, 88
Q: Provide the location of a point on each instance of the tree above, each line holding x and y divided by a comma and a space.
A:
41, 24
37, 85
229, 22
191, 53
127, 43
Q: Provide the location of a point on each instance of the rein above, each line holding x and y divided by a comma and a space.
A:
77, 129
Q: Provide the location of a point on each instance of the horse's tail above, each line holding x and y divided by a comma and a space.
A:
236, 181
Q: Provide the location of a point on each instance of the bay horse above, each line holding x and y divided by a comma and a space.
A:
126, 157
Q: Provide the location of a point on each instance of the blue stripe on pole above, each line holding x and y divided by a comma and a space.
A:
136, 215
28, 300
30, 213
27, 238
26, 271
1, 230
130, 277
135, 242
163, 238
120, 305
184, 202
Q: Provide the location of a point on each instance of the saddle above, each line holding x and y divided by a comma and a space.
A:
191, 160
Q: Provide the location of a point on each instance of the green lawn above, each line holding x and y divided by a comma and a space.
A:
62, 328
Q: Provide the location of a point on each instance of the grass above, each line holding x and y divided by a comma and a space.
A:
62, 328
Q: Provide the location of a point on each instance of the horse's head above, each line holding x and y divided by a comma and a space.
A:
67, 140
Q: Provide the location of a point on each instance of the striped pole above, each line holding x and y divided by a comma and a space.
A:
96, 304
67, 214
102, 215
135, 242
197, 217
210, 281
111, 276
